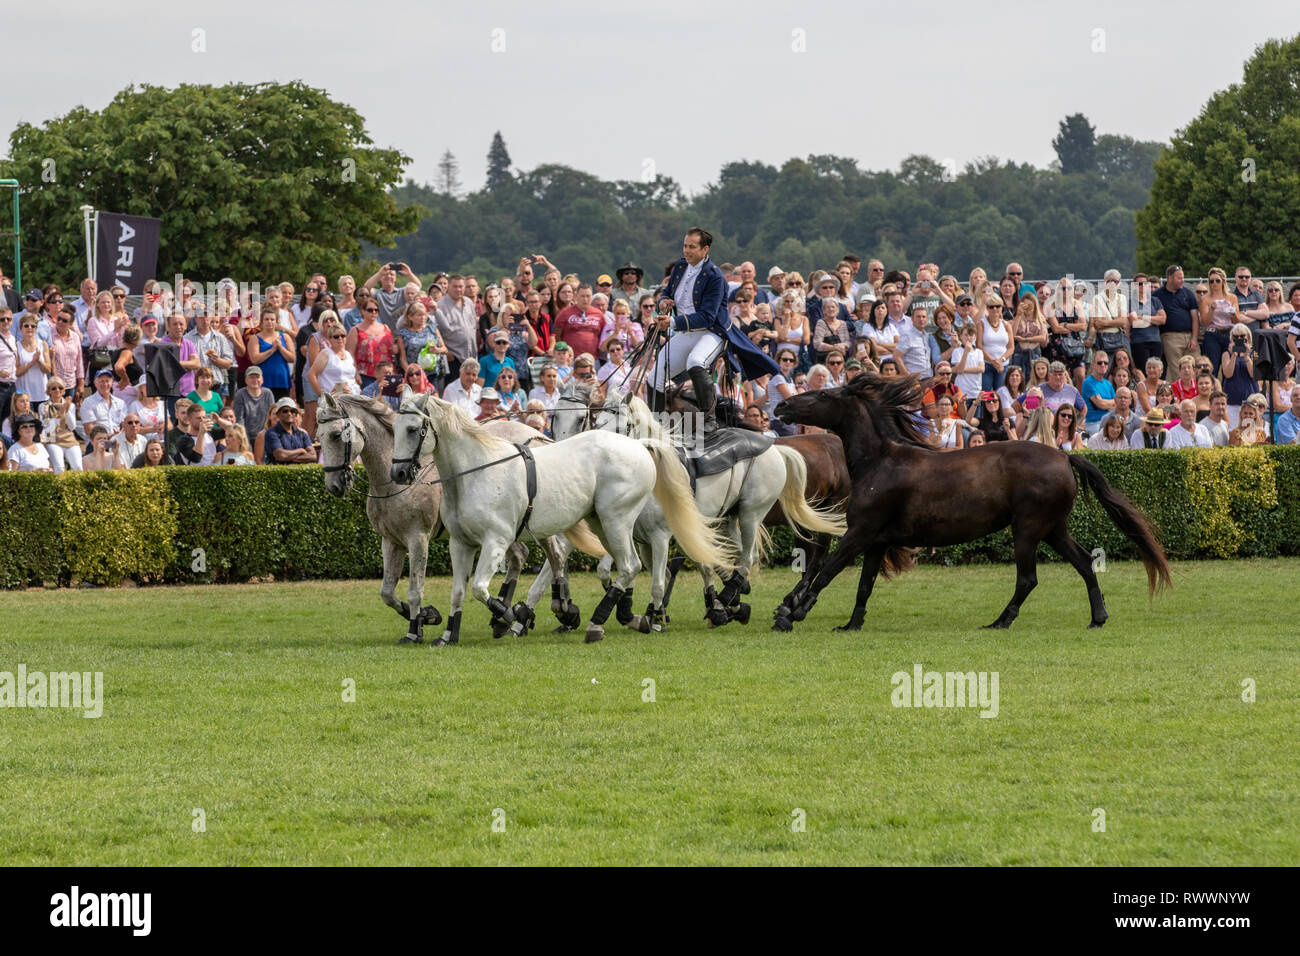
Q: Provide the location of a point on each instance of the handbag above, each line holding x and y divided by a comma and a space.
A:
100, 358
1070, 347
1112, 340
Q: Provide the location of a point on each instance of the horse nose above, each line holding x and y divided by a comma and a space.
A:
400, 474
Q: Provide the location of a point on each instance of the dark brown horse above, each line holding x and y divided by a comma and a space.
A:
908, 494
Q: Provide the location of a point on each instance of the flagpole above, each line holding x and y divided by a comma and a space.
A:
86, 212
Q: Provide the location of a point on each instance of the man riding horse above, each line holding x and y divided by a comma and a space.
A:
703, 330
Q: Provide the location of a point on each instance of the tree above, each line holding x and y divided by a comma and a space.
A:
449, 175
241, 189
498, 169
1075, 144
1228, 189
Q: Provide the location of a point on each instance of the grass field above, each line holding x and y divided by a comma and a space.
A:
230, 700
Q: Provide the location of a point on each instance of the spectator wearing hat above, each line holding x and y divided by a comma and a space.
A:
253, 403
1153, 431
563, 362
490, 366
776, 282
287, 443
32, 303
1057, 391
488, 405
28, 454
466, 391
103, 408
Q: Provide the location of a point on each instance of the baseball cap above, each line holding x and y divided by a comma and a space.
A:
501, 337
866, 297
1057, 367
775, 271
148, 317
104, 371
965, 299
35, 294
828, 279
286, 402
947, 365
604, 280
489, 395
253, 370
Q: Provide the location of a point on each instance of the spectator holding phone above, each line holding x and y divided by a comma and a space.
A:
1237, 365
387, 386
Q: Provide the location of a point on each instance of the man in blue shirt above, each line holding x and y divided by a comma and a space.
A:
1288, 423
1182, 328
286, 443
1098, 393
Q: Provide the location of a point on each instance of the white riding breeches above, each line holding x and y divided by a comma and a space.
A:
697, 349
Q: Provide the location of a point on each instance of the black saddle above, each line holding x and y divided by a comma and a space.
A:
723, 450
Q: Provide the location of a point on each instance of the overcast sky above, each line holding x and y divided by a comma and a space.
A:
685, 85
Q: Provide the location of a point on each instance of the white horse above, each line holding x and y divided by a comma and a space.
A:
741, 497
491, 496
406, 518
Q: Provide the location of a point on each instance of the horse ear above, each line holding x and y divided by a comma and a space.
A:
329, 401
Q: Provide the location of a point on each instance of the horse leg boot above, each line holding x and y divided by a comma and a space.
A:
565, 611
675, 564
596, 629
706, 399
502, 614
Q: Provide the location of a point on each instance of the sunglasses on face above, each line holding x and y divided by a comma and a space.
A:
413, 375
338, 336
32, 327
1067, 418
1215, 281
370, 310
53, 301
834, 364
1015, 273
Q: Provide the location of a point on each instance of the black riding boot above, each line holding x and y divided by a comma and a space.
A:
705, 399
658, 401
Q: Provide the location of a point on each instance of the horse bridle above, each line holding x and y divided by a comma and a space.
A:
348, 457
414, 460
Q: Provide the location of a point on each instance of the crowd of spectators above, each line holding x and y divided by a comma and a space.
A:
87, 382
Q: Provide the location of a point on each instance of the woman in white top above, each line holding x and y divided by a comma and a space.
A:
58, 427
34, 362
150, 411
781, 386
27, 454
1110, 437
949, 433
968, 364
994, 337
237, 452
333, 365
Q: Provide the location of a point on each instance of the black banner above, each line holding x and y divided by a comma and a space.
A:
126, 250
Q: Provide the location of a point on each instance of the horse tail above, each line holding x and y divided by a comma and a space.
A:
803, 517
1130, 520
699, 538
898, 561
584, 539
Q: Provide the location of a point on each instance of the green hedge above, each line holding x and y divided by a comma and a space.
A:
232, 524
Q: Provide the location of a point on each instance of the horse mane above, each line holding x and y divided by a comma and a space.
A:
458, 423
375, 407
893, 404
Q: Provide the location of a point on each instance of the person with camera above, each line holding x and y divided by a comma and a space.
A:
197, 445
1237, 366
388, 297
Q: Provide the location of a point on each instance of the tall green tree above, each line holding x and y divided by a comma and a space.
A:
1075, 144
252, 181
498, 163
1228, 190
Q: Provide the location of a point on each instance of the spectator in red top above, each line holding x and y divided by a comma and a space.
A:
579, 326
1185, 387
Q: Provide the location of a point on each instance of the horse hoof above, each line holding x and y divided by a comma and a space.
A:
639, 623
594, 633
562, 629
1096, 624
717, 616
411, 639
445, 640
781, 611
849, 627
524, 616
429, 615
997, 626
782, 623
499, 627
741, 613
